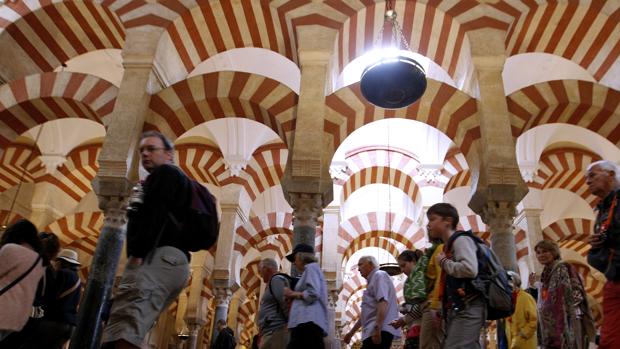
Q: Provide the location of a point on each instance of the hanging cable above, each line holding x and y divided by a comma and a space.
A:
21, 180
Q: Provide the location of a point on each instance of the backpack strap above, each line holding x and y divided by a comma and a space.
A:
280, 310
21, 277
458, 234
69, 291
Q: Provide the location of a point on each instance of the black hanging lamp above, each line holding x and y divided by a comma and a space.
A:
393, 82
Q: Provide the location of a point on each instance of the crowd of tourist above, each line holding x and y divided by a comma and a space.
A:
446, 300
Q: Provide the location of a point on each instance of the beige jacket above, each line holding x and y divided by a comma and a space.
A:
16, 303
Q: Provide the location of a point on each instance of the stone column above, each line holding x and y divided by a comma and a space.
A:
499, 217
307, 184
100, 282
333, 337
499, 186
195, 315
223, 295
534, 236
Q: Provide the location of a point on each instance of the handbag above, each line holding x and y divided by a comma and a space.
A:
21, 277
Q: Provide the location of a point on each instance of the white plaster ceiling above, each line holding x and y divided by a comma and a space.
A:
379, 198
271, 200
237, 138
532, 68
57, 138
533, 143
559, 204
256, 61
426, 142
106, 64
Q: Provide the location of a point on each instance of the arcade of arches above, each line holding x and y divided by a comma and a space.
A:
261, 104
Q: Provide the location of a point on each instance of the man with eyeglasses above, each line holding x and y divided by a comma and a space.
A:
379, 307
157, 268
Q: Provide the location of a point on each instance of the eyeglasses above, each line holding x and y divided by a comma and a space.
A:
150, 149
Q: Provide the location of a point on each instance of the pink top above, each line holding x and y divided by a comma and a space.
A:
16, 303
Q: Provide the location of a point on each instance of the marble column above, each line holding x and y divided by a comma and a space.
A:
499, 217
223, 295
87, 334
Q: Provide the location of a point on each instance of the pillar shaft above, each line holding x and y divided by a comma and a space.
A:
223, 296
88, 332
499, 186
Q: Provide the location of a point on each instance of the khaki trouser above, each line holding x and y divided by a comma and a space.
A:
277, 339
431, 334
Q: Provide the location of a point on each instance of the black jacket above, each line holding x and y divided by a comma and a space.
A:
225, 339
166, 189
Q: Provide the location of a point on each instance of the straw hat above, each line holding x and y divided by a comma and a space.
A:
69, 256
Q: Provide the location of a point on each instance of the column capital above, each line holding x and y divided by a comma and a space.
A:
307, 207
332, 298
223, 295
499, 215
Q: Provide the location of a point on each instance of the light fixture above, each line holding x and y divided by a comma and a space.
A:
394, 80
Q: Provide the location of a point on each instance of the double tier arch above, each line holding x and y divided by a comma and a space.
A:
582, 103
36, 99
584, 32
189, 103
42, 35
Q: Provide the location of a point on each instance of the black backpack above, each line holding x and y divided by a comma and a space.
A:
491, 281
201, 226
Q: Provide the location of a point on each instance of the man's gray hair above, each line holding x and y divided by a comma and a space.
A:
369, 259
607, 165
268, 263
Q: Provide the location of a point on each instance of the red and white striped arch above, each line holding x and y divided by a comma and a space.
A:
42, 35
455, 172
351, 286
382, 156
206, 164
250, 278
581, 103
476, 225
213, 27
191, 102
387, 225
571, 233
521, 244
373, 239
200, 161
247, 315
254, 233
449, 110
20, 163
74, 177
383, 175
583, 32
79, 230
36, 99
564, 168
460, 179
263, 171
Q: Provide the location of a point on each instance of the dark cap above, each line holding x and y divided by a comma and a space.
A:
300, 248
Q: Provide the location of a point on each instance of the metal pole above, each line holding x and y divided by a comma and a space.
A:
103, 267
